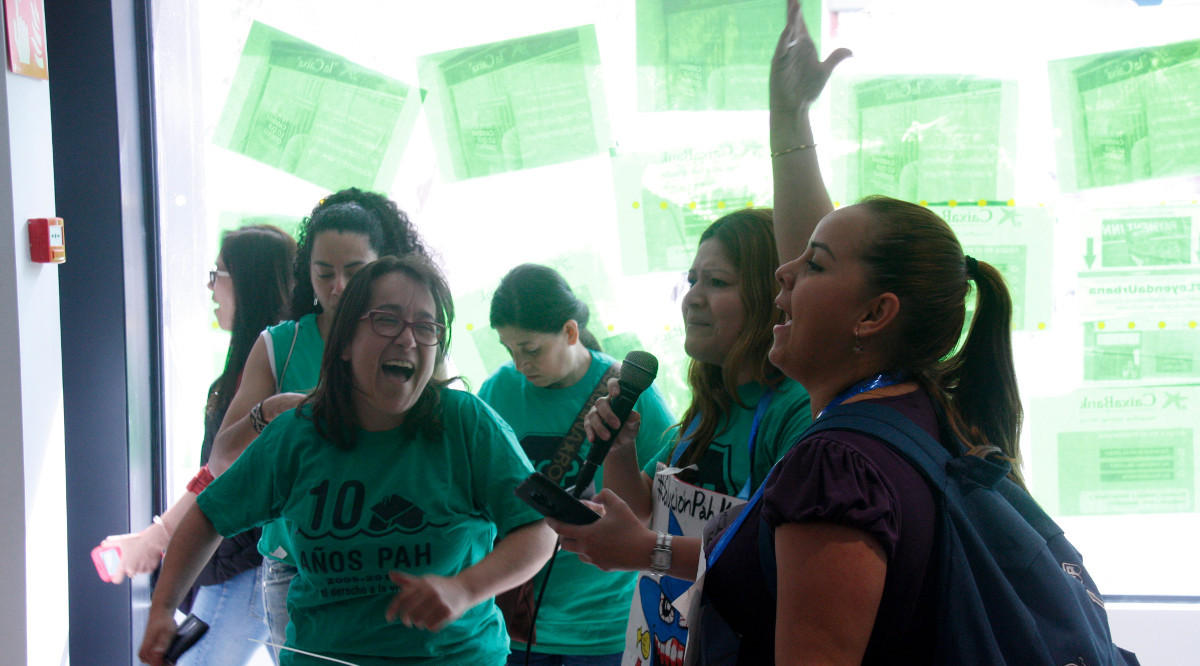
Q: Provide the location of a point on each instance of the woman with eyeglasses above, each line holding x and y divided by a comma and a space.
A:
250, 286
393, 488
346, 231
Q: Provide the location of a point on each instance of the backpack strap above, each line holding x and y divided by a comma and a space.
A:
892, 428
926, 454
935, 463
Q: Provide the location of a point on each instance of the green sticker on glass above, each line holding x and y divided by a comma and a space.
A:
1142, 261
710, 55
1115, 450
1019, 242
1146, 241
1130, 471
1127, 116
666, 199
1155, 352
516, 104
926, 138
315, 114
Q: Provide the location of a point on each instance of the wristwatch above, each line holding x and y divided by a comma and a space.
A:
660, 557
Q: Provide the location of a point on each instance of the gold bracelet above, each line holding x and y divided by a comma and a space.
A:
793, 149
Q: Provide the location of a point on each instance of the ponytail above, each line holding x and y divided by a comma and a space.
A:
981, 379
913, 253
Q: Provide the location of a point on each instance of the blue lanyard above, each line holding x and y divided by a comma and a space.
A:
764, 401
870, 384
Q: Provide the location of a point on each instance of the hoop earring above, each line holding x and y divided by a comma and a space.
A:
315, 302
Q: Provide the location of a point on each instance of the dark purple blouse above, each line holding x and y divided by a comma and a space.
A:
852, 480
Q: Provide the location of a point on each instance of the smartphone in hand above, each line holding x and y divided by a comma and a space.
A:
550, 500
190, 630
108, 562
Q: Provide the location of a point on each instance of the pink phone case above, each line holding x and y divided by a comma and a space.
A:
108, 562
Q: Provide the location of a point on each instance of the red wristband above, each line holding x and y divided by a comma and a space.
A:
200, 481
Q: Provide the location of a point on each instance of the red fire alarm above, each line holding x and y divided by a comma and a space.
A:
46, 243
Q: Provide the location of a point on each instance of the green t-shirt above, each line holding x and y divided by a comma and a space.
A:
726, 464
585, 610
294, 350
413, 504
302, 359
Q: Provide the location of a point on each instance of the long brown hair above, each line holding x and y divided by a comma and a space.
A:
913, 253
259, 260
748, 238
331, 405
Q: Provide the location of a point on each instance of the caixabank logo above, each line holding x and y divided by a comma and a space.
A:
1145, 400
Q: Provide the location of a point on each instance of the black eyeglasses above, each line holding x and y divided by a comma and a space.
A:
214, 274
391, 325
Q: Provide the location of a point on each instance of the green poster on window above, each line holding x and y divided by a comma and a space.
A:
1127, 116
517, 104
1136, 263
1146, 241
709, 55
1107, 451
926, 138
1019, 242
1162, 352
315, 114
667, 198
1132, 471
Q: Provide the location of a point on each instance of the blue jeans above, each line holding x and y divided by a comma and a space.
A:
234, 613
276, 577
517, 658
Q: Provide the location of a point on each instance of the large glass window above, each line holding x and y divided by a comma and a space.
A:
1059, 139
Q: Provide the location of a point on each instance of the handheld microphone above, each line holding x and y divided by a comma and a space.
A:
638, 371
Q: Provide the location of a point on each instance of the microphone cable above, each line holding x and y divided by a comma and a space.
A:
537, 604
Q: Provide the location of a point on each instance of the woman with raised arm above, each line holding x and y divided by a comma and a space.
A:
392, 487
618, 541
251, 286
556, 373
874, 305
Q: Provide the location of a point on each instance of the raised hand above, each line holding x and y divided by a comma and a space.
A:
798, 75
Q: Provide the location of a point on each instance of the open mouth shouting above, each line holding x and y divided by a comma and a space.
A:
399, 369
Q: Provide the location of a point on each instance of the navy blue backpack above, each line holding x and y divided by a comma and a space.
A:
1013, 590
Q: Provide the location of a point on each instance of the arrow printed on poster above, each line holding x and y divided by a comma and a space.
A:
1090, 256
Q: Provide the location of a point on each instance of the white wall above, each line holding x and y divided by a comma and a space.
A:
1160, 634
33, 526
